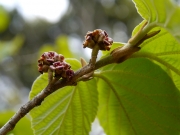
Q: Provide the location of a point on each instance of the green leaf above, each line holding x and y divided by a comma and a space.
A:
162, 13
114, 46
137, 97
75, 64
163, 49
23, 127
70, 110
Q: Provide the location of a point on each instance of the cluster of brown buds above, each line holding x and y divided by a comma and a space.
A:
99, 37
55, 62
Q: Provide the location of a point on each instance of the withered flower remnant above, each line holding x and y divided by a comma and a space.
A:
60, 68
50, 57
55, 63
98, 37
69, 74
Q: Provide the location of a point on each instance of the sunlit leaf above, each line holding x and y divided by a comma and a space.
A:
75, 64
163, 13
70, 110
164, 48
137, 97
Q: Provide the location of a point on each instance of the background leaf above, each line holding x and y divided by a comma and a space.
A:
22, 128
137, 97
5, 19
63, 47
11, 48
70, 110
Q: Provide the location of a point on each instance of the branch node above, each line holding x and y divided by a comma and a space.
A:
88, 76
23, 111
12, 125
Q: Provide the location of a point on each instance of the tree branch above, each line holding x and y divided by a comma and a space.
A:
37, 100
118, 55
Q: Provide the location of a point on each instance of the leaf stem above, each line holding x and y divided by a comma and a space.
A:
141, 33
94, 54
154, 57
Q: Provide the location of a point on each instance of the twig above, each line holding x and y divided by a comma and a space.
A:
37, 100
117, 55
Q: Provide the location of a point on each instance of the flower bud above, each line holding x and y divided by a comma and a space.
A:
69, 74
55, 62
48, 58
99, 37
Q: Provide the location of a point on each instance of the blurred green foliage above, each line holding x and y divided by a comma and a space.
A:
11, 47
117, 17
4, 19
60, 46
23, 42
22, 128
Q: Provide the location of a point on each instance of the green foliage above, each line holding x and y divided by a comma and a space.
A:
163, 48
4, 21
10, 48
166, 55
70, 110
161, 12
23, 127
139, 96
61, 46
136, 97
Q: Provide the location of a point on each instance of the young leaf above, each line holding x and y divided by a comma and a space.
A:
70, 110
161, 13
137, 97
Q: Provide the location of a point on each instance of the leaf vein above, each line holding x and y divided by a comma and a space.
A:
116, 94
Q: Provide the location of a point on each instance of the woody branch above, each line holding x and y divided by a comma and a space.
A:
68, 77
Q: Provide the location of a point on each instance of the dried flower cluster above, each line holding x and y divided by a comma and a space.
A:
99, 37
55, 62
